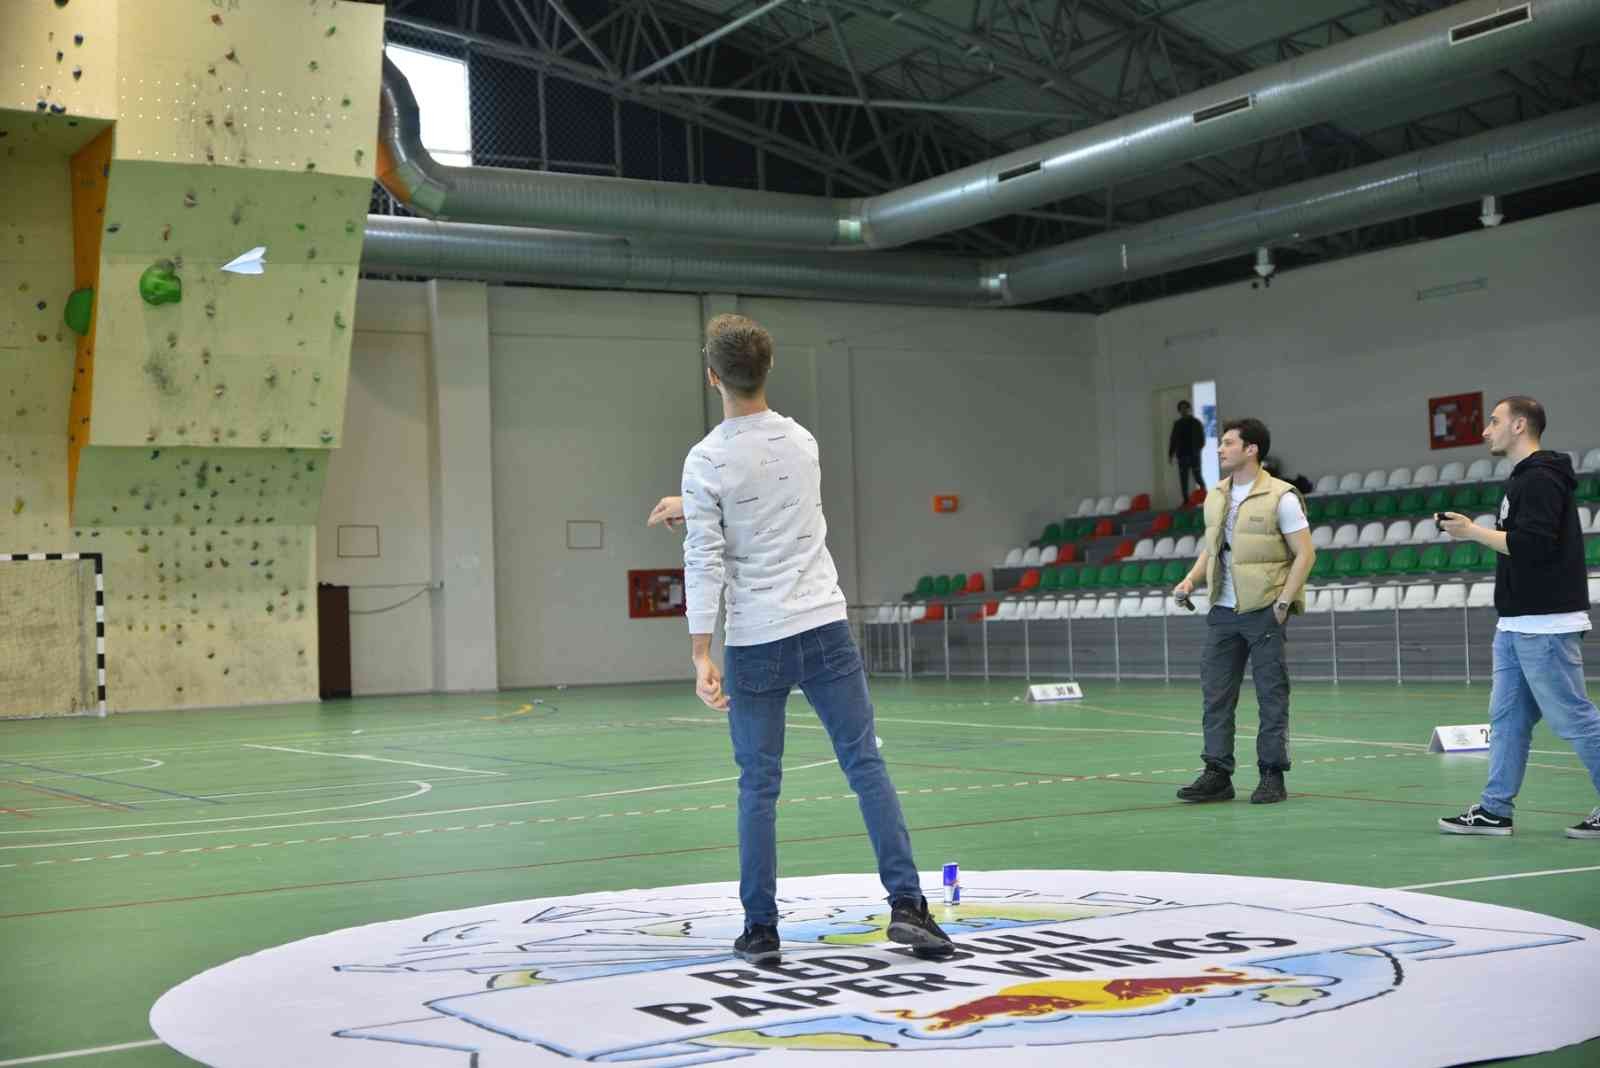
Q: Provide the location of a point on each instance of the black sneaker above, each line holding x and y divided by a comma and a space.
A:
1271, 789
910, 925
1214, 784
1589, 828
1476, 821
758, 944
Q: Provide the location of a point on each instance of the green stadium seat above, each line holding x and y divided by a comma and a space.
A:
1052, 533
1591, 553
1436, 501
1067, 578
1486, 559
1405, 560
1412, 503
1435, 558
1385, 507
1589, 489
1347, 564
958, 583
1316, 508
1464, 500
1150, 574
1109, 576
1050, 579
1173, 572
1359, 509
1464, 557
1489, 498
1089, 577
1323, 568
1335, 509
1375, 561
1129, 575
924, 586
941, 586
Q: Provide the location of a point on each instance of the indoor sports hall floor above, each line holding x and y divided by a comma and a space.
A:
140, 850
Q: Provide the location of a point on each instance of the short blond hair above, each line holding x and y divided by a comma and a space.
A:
739, 350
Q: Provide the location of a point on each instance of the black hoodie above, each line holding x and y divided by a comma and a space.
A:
1544, 573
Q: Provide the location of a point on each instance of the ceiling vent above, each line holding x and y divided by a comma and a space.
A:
1500, 20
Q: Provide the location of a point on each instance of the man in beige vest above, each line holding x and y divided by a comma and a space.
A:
1256, 557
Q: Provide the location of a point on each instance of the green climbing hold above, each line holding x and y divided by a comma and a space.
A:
159, 284
80, 311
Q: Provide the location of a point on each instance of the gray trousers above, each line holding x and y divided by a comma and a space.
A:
1232, 639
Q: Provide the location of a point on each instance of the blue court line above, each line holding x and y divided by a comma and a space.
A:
58, 792
113, 782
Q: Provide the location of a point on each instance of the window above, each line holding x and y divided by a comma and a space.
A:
440, 85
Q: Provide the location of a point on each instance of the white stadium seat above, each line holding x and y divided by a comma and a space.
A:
1350, 483
1399, 477
1375, 480
1008, 610
1484, 520
1386, 598
1594, 528
1085, 608
1122, 503
1481, 595
1503, 469
1371, 534
1106, 609
919, 612
1594, 591
1399, 532
1318, 601
1153, 605
1048, 555
1480, 471
1584, 517
1049, 608
1346, 536
1165, 549
1450, 595
1131, 606
1427, 530
1356, 600
1030, 558
1186, 547
1144, 550
1014, 558
1104, 505
1086, 507
1417, 597
1328, 484
1202, 605
1591, 461
1426, 475
1028, 610
1453, 471
1321, 537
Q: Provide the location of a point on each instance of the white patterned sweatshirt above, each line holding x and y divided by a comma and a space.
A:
752, 509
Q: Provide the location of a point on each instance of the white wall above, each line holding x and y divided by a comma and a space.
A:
1339, 360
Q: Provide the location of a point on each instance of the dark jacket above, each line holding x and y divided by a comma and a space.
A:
1188, 437
1544, 572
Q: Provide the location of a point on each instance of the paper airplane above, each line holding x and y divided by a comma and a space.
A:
252, 262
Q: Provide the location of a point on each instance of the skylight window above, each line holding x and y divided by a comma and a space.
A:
440, 85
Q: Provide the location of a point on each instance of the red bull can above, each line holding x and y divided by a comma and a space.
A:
952, 883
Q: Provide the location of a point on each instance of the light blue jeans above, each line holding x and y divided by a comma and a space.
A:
824, 663
1536, 675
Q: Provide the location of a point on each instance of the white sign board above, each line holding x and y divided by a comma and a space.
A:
1056, 691
1463, 738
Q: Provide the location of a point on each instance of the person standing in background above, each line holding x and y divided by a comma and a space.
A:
1184, 445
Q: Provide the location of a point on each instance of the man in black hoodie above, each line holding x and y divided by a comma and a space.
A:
1184, 444
1541, 595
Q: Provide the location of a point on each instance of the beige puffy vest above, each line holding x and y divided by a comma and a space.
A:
1260, 556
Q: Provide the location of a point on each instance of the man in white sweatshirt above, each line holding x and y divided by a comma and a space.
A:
756, 536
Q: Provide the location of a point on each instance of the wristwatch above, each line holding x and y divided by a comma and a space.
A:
1283, 605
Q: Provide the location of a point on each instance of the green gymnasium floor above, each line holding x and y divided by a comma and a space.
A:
140, 850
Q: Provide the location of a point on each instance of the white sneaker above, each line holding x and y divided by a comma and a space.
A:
1589, 828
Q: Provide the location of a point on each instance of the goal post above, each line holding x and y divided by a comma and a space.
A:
52, 635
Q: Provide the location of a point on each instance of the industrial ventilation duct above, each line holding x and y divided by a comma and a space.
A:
1500, 161
1402, 61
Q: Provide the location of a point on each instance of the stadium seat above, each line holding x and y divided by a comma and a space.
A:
1066, 578
1464, 557
1105, 506
1385, 506
1357, 600
1434, 558
1589, 489
1154, 604
1426, 475
1316, 509
1450, 595
1594, 591
941, 586
1162, 524
1594, 528
1327, 484
1591, 553
1085, 507
1375, 561
1084, 607
1347, 564
1481, 595
1454, 471
1028, 609
1480, 471
1486, 559
1400, 477
1398, 533
1050, 579
1186, 547
1130, 606
1048, 554
1436, 501
1106, 608
1358, 508
1346, 536
1375, 480
1321, 537
1089, 577
1008, 610
1144, 549
1386, 598
1052, 533
1585, 517
1197, 497
1484, 520
1417, 597
1013, 558
1165, 549
1173, 572
1031, 579
1140, 503
1404, 560
1411, 503
1350, 483
1318, 601
1067, 554
1322, 567
1201, 601
1591, 461
1503, 469
1121, 503
1371, 534
1129, 575
1124, 549
1102, 529
924, 586
1464, 500
974, 583
1489, 497
1030, 558
1150, 574
1334, 510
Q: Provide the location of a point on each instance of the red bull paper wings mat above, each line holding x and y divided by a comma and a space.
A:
1054, 968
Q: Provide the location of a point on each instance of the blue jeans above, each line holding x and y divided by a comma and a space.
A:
1536, 675
825, 663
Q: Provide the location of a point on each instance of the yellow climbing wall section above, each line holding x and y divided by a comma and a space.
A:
193, 452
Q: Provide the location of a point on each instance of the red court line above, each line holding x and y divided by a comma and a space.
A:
16, 812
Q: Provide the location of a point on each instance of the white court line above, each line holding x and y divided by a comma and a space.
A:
68, 1054
410, 815
245, 793
364, 756
1498, 878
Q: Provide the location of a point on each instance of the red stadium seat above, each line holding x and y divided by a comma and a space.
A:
1197, 498
1163, 523
1124, 549
1102, 528
1068, 554
935, 612
974, 583
1030, 579
1141, 503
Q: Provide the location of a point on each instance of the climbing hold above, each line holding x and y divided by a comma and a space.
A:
311, 165
327, 437
43, 105
331, 31
60, 55
166, 232
114, 228
77, 74
18, 506
79, 311
216, 20
350, 226
361, 154
41, 305
338, 320
159, 285
77, 39
190, 200
313, 66
220, 390
345, 102
58, 109
211, 309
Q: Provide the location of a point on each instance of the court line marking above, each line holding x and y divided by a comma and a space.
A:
402, 815
378, 759
101, 778
66, 1054
150, 764
1498, 878
259, 793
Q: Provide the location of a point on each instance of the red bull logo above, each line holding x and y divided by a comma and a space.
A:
1115, 995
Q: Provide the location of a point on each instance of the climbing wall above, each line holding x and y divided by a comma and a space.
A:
184, 433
